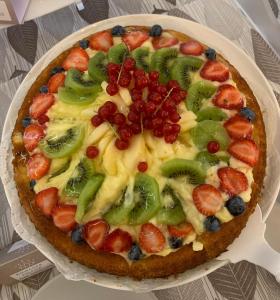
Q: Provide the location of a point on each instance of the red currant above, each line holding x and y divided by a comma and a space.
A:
170, 139
112, 89
113, 68
153, 86
213, 147
147, 123
167, 128
135, 128
142, 166
173, 84
139, 106
129, 64
121, 145
133, 117
104, 112
154, 75
155, 97
92, 152
176, 97
157, 122
125, 134
119, 119
150, 107
168, 105
176, 128
113, 78
158, 132
138, 73
163, 113
136, 95
183, 94
96, 120
162, 89
141, 82
111, 106
43, 119
174, 117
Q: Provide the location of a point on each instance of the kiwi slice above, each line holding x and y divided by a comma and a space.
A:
208, 130
172, 213
59, 166
147, 199
69, 96
83, 171
117, 53
142, 58
63, 145
87, 195
162, 61
97, 67
184, 167
209, 160
197, 92
211, 113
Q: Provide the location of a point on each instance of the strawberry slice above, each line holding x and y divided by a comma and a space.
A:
56, 81
134, 39
163, 42
181, 230
207, 199
95, 233
228, 97
246, 151
64, 217
233, 181
191, 48
151, 238
46, 200
239, 127
101, 41
32, 135
40, 105
77, 58
215, 71
117, 241
38, 166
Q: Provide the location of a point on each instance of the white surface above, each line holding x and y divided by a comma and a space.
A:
63, 289
230, 51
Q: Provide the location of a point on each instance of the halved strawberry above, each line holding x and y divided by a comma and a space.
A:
180, 230
215, 71
95, 233
207, 199
117, 241
56, 81
246, 151
32, 135
40, 105
228, 97
77, 58
191, 48
233, 181
38, 166
163, 42
151, 239
239, 127
101, 41
46, 200
134, 39
64, 217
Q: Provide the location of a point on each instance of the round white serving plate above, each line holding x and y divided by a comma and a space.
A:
237, 57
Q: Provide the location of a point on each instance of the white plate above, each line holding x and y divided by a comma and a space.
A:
235, 56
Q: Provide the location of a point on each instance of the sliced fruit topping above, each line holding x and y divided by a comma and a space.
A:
55, 82
181, 230
191, 48
117, 241
238, 127
77, 235
135, 39
151, 239
209, 160
207, 199
40, 105
198, 92
164, 42
207, 131
95, 233
43, 119
211, 113
63, 145
147, 199
135, 252
228, 97
142, 166
212, 224
172, 211
248, 113
142, 58
77, 59
92, 152
210, 53
215, 71
118, 30
233, 181
213, 147
64, 217
97, 67
101, 41
37, 166
46, 200
236, 205
87, 195
84, 44
183, 167
155, 30
59, 166
32, 135
246, 151
118, 53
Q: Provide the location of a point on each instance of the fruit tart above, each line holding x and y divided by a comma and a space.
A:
139, 152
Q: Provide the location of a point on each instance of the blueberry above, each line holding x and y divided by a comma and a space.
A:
118, 30
32, 184
212, 224
210, 53
44, 89
248, 114
156, 30
235, 205
77, 235
175, 242
56, 70
135, 252
26, 122
84, 44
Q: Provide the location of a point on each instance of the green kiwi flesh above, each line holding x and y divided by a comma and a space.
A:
97, 67
118, 53
142, 58
211, 113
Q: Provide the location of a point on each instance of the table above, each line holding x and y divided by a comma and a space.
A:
22, 45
